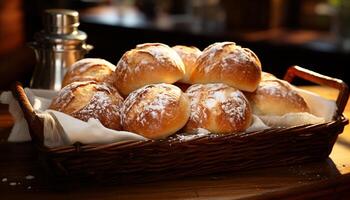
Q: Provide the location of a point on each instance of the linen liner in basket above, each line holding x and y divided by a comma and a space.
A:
61, 129
152, 160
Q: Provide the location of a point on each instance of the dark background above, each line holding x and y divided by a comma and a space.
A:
281, 32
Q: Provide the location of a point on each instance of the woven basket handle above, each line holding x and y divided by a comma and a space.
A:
342, 99
34, 122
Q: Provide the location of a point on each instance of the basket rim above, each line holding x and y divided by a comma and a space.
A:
339, 121
36, 124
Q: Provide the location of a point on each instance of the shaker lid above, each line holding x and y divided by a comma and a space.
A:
60, 21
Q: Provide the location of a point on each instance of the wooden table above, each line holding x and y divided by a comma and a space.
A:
329, 179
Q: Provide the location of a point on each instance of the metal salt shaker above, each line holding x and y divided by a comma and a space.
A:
57, 47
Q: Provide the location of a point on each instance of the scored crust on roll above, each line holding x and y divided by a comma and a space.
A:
155, 111
276, 97
89, 99
90, 69
148, 64
218, 108
226, 62
189, 56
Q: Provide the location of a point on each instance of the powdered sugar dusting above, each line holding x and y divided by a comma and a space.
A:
162, 53
202, 131
199, 132
216, 99
122, 68
212, 49
65, 95
276, 97
230, 54
219, 95
155, 99
238, 55
140, 66
187, 54
156, 53
84, 64
210, 103
209, 54
104, 104
277, 88
232, 110
99, 102
197, 111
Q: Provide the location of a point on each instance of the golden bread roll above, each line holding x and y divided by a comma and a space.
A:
218, 108
155, 111
276, 97
189, 56
267, 76
226, 62
90, 69
146, 64
89, 99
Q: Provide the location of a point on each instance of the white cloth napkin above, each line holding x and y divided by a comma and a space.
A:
319, 106
60, 129
257, 125
20, 130
291, 119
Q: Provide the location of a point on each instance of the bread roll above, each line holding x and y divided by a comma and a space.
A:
218, 108
90, 69
156, 111
189, 56
146, 64
228, 63
267, 76
89, 99
276, 97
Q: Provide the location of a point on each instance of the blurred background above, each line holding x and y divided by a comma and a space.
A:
311, 33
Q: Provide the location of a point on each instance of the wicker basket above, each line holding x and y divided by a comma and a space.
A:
136, 161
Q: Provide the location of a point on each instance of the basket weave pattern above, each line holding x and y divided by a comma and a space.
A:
139, 161
200, 156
